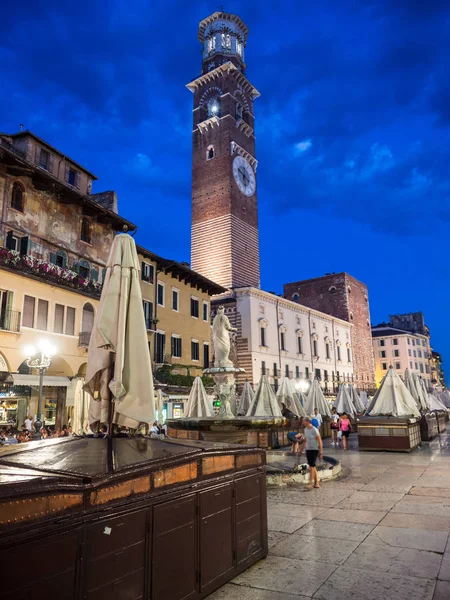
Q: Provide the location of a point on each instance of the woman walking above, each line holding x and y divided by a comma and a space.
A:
346, 427
334, 426
313, 443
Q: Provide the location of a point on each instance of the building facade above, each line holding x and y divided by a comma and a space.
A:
344, 297
402, 350
224, 239
55, 237
437, 372
280, 338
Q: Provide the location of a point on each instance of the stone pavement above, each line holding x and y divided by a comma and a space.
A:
381, 532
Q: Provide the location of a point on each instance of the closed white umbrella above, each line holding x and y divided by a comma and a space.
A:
393, 398
287, 396
316, 399
420, 393
246, 399
410, 385
265, 402
159, 405
356, 400
77, 419
364, 398
344, 403
444, 397
198, 404
119, 338
435, 403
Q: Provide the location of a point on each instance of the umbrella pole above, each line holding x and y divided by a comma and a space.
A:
110, 454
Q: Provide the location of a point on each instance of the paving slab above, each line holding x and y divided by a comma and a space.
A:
295, 510
414, 521
391, 483
429, 491
442, 590
390, 559
432, 541
231, 591
367, 517
437, 481
421, 499
374, 585
320, 497
286, 524
286, 575
435, 509
381, 501
444, 573
310, 548
339, 530
275, 536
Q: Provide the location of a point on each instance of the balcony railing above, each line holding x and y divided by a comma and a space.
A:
10, 320
84, 339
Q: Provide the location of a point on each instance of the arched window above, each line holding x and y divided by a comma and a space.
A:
61, 259
332, 290
213, 107
85, 234
87, 319
295, 297
210, 152
17, 197
84, 269
239, 111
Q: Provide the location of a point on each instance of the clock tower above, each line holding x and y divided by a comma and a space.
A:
224, 241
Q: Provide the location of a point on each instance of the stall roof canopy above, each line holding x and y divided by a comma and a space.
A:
33, 380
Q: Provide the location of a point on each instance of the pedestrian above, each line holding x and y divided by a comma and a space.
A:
317, 416
345, 427
28, 423
334, 426
313, 443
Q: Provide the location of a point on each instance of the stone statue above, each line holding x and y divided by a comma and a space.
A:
221, 338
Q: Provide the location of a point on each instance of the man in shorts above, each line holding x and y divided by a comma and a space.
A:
313, 443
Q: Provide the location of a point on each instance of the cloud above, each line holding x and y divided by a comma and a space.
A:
301, 147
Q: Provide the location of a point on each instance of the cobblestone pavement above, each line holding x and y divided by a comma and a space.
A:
380, 532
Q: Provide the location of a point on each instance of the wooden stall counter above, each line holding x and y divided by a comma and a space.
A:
388, 433
168, 520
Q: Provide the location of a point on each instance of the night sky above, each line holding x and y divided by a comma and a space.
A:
352, 129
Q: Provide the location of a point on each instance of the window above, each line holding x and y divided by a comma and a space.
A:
297, 372
415, 353
295, 297
194, 308
239, 48
275, 370
176, 347
409, 341
148, 313
349, 355
325, 375
85, 235
414, 342
42, 315
382, 353
315, 348
299, 345
409, 352
213, 108
427, 368
17, 197
195, 350
210, 153
338, 349
239, 111
382, 342
71, 176
205, 356
175, 300
327, 350
398, 365
84, 269
419, 353
286, 370
283, 340
205, 311
58, 326
160, 294
44, 159
421, 367
306, 373
226, 41
338, 377
395, 342
11, 241
263, 336
384, 366
28, 311
160, 347
147, 272
317, 374
211, 43
59, 259
416, 366
332, 290
70, 321
396, 353
87, 318
263, 367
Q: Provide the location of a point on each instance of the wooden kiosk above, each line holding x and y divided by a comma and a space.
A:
167, 520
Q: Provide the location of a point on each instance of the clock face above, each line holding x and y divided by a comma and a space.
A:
244, 176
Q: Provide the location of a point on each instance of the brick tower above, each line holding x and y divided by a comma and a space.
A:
344, 297
224, 240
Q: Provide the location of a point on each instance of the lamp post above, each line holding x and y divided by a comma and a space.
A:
40, 360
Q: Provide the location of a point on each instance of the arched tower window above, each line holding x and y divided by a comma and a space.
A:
213, 107
17, 197
226, 41
84, 269
210, 152
239, 111
85, 234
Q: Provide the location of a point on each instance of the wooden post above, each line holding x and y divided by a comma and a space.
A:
61, 394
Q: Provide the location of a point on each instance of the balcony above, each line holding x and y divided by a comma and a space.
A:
41, 269
84, 339
10, 320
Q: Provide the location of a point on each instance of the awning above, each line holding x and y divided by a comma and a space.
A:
33, 380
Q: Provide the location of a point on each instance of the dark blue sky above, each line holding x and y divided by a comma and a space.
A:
353, 128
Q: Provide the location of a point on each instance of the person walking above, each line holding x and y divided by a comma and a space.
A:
313, 443
317, 416
345, 427
334, 426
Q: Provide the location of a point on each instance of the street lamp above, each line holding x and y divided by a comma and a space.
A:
40, 360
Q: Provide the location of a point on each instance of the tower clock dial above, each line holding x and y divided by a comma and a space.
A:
244, 176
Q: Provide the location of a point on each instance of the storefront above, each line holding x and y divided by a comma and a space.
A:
53, 397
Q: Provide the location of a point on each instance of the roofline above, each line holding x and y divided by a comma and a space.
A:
43, 142
217, 72
397, 331
84, 199
330, 275
166, 264
221, 15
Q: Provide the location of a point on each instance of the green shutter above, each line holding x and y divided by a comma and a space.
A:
53, 258
94, 275
8, 313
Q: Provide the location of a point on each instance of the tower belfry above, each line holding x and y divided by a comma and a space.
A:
224, 240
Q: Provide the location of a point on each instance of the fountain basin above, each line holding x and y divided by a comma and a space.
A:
264, 432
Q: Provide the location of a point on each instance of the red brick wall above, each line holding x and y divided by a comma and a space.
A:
348, 301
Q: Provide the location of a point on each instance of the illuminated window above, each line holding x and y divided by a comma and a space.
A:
239, 48
211, 43
226, 41
213, 108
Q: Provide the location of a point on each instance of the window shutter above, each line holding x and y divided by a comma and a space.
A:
24, 242
42, 314
172, 343
51, 162
143, 270
28, 311
70, 321
103, 275
53, 258
94, 275
75, 267
66, 173
8, 315
37, 155
10, 242
77, 179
